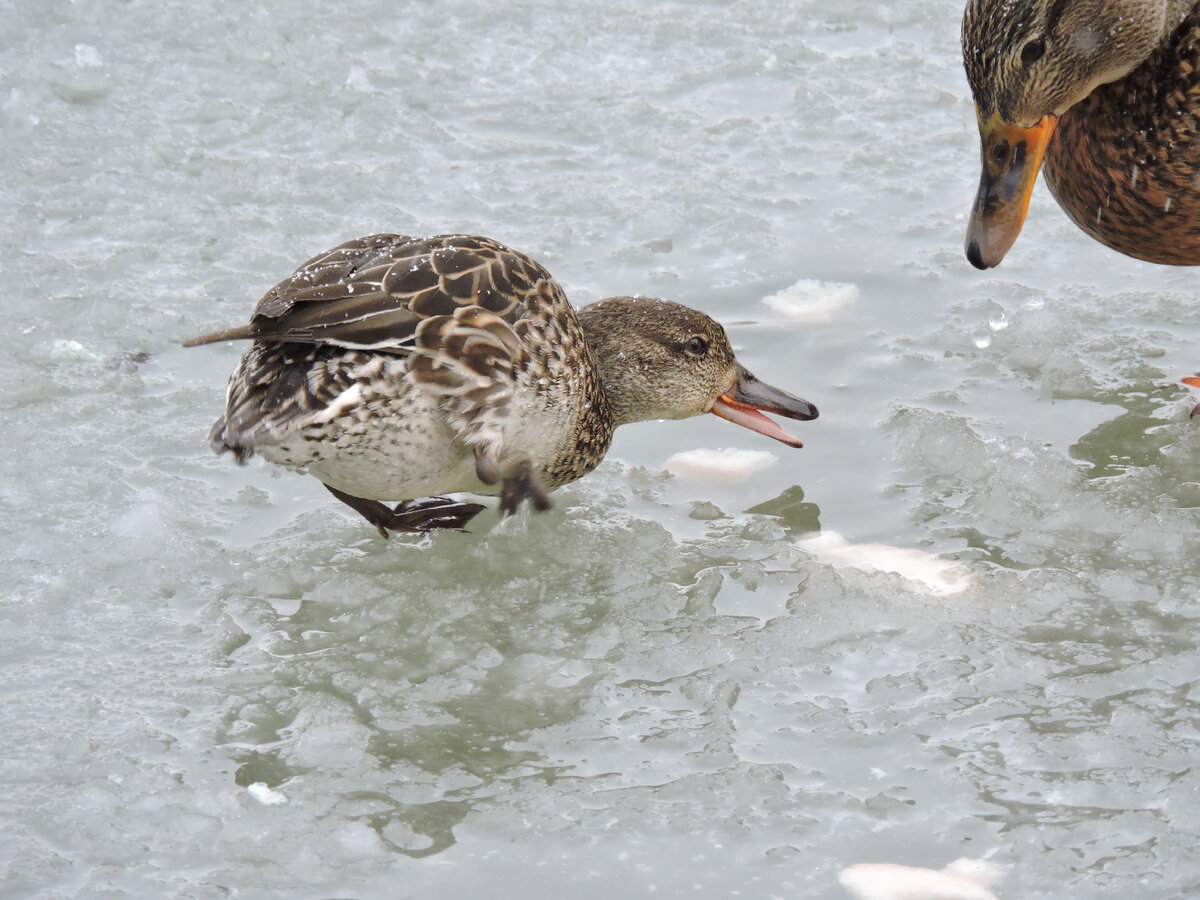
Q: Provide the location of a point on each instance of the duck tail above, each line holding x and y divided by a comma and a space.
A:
240, 333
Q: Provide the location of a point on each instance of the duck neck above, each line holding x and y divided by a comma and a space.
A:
626, 380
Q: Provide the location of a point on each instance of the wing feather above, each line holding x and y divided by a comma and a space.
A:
459, 315
372, 293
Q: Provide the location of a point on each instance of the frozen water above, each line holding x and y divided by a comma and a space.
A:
651, 689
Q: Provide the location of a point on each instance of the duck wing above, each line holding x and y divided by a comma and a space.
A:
462, 317
374, 292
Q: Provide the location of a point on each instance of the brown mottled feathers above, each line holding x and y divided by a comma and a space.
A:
462, 317
1123, 163
373, 292
278, 387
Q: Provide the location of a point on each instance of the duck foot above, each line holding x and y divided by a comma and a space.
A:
411, 516
1192, 381
522, 483
430, 513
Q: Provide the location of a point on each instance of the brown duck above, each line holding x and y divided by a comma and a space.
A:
1108, 92
398, 368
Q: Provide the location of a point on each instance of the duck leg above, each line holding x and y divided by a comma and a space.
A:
519, 483
413, 516
522, 483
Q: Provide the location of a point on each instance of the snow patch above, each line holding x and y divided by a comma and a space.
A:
265, 795
813, 301
726, 466
926, 571
963, 879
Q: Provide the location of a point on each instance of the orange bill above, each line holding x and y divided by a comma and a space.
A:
1012, 157
742, 403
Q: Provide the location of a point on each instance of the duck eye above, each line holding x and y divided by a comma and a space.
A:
1032, 51
696, 346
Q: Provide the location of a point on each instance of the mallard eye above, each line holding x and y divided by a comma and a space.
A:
696, 346
1032, 51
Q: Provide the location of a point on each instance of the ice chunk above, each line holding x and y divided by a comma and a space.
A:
87, 57
812, 301
265, 795
357, 80
74, 351
727, 466
926, 571
963, 879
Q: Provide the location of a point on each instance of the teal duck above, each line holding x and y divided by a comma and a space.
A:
1105, 96
395, 368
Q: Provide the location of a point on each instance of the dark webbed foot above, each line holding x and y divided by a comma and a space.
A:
428, 513
412, 516
522, 483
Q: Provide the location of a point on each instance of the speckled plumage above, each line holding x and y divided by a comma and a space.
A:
1119, 82
393, 367
1124, 163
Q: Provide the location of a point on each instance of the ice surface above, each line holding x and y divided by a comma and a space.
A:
650, 689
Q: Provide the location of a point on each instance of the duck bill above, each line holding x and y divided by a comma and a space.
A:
1012, 157
743, 403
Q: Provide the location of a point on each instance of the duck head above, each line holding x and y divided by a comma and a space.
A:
1028, 62
661, 360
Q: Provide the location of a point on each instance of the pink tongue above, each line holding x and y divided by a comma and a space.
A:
754, 420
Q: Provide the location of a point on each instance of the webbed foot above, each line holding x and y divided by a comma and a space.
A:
522, 483
519, 483
412, 516
429, 513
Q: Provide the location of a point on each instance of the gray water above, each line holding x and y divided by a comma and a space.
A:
218, 682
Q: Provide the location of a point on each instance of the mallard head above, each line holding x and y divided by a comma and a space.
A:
1028, 62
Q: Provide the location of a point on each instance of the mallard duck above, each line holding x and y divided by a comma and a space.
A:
394, 368
1108, 92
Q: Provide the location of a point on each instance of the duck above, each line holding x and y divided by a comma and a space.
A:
400, 369
1103, 96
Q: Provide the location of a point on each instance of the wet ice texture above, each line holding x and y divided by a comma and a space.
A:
652, 688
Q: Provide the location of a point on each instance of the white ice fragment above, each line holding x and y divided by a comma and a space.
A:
963, 879
265, 795
726, 466
71, 350
357, 79
925, 571
813, 301
141, 519
981, 339
87, 57
360, 839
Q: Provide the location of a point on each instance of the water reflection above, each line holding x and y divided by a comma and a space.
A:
1137, 437
796, 514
